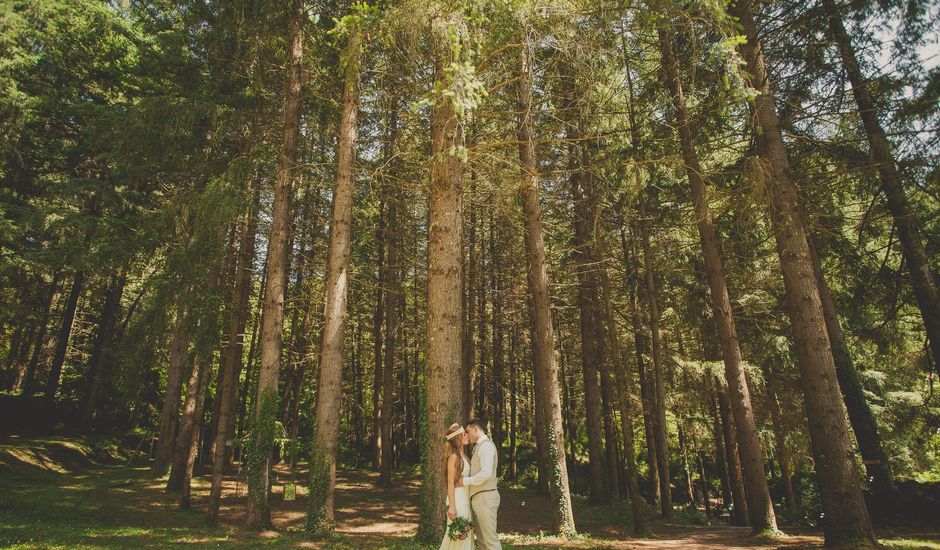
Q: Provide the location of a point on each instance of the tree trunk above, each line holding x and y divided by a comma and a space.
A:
513, 408
739, 514
760, 506
470, 309
320, 518
783, 455
542, 336
482, 408
235, 341
392, 294
861, 416
626, 402
29, 377
646, 396
445, 333
265, 405
497, 296
846, 516
65, 333
98, 362
378, 315
923, 280
721, 463
184, 446
582, 243
657, 390
170, 415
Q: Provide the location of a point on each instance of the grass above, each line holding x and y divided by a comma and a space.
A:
75, 494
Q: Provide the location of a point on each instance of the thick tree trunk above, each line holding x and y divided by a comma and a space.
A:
97, 363
923, 280
445, 333
265, 403
846, 516
65, 333
760, 506
542, 336
861, 416
320, 517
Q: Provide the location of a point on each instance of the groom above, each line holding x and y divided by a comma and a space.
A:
484, 498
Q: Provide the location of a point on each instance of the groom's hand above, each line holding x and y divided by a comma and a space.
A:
459, 482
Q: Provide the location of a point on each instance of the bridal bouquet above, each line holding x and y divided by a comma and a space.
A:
459, 528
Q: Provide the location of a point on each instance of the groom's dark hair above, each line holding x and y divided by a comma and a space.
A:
476, 422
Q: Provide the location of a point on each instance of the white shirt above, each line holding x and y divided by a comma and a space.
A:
487, 463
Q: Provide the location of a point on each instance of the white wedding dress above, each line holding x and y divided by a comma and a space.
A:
462, 498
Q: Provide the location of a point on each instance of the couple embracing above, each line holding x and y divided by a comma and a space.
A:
472, 497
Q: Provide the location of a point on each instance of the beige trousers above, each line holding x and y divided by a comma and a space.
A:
485, 506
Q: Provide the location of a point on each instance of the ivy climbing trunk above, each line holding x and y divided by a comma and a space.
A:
759, 504
320, 517
261, 444
846, 517
542, 338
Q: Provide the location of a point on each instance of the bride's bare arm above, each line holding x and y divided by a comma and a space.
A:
451, 479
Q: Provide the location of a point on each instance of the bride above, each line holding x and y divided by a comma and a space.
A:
458, 498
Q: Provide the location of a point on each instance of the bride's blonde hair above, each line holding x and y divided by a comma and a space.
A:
454, 445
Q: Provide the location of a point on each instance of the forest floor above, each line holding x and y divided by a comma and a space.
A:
64, 493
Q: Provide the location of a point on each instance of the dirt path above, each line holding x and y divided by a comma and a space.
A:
366, 514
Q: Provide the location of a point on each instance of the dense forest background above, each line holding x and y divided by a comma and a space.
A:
681, 252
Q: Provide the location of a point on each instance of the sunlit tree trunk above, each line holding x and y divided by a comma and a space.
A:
846, 516
760, 506
445, 332
320, 516
265, 404
542, 330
